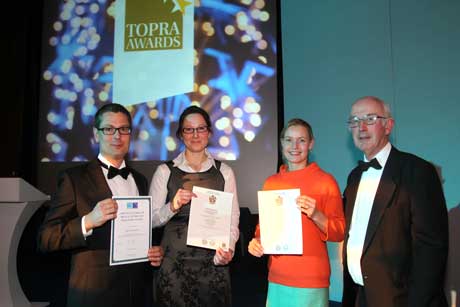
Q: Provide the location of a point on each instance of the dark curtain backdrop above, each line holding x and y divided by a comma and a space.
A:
21, 44
21, 54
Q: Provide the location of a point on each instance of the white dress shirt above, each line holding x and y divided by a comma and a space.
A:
362, 210
118, 185
158, 190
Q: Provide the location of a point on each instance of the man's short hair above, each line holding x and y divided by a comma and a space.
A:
111, 107
386, 106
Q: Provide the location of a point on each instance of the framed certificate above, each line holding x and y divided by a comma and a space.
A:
131, 231
280, 222
210, 218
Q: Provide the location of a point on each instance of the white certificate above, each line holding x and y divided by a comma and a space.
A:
280, 222
210, 218
132, 230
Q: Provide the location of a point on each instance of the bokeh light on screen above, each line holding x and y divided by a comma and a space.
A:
235, 80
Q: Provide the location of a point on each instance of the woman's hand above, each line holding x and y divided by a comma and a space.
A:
181, 198
255, 248
155, 255
307, 205
222, 257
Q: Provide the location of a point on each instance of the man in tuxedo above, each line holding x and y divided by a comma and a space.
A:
78, 217
396, 239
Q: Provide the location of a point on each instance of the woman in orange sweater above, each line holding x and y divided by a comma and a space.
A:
303, 280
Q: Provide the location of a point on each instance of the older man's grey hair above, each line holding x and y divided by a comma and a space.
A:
386, 106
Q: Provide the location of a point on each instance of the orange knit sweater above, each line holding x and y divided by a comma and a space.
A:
311, 269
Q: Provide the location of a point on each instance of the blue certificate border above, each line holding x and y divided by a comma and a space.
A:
112, 261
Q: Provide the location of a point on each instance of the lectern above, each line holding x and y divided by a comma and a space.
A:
18, 202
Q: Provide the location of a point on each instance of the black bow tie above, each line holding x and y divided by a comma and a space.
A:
113, 171
364, 166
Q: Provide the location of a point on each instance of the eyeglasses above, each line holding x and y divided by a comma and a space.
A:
190, 130
369, 119
112, 130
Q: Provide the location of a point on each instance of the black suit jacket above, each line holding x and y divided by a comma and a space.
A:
92, 281
405, 247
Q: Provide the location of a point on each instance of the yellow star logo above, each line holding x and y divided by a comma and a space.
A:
180, 5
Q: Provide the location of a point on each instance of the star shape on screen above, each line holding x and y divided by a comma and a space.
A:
180, 5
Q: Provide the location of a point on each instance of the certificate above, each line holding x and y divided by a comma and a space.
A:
131, 231
210, 218
280, 222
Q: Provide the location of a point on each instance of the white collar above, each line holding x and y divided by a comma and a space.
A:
382, 155
180, 160
105, 161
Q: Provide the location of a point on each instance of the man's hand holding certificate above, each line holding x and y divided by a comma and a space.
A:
210, 218
131, 233
280, 222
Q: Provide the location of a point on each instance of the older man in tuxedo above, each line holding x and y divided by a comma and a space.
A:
396, 220
78, 217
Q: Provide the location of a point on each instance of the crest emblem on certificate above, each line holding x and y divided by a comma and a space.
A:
279, 200
212, 199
